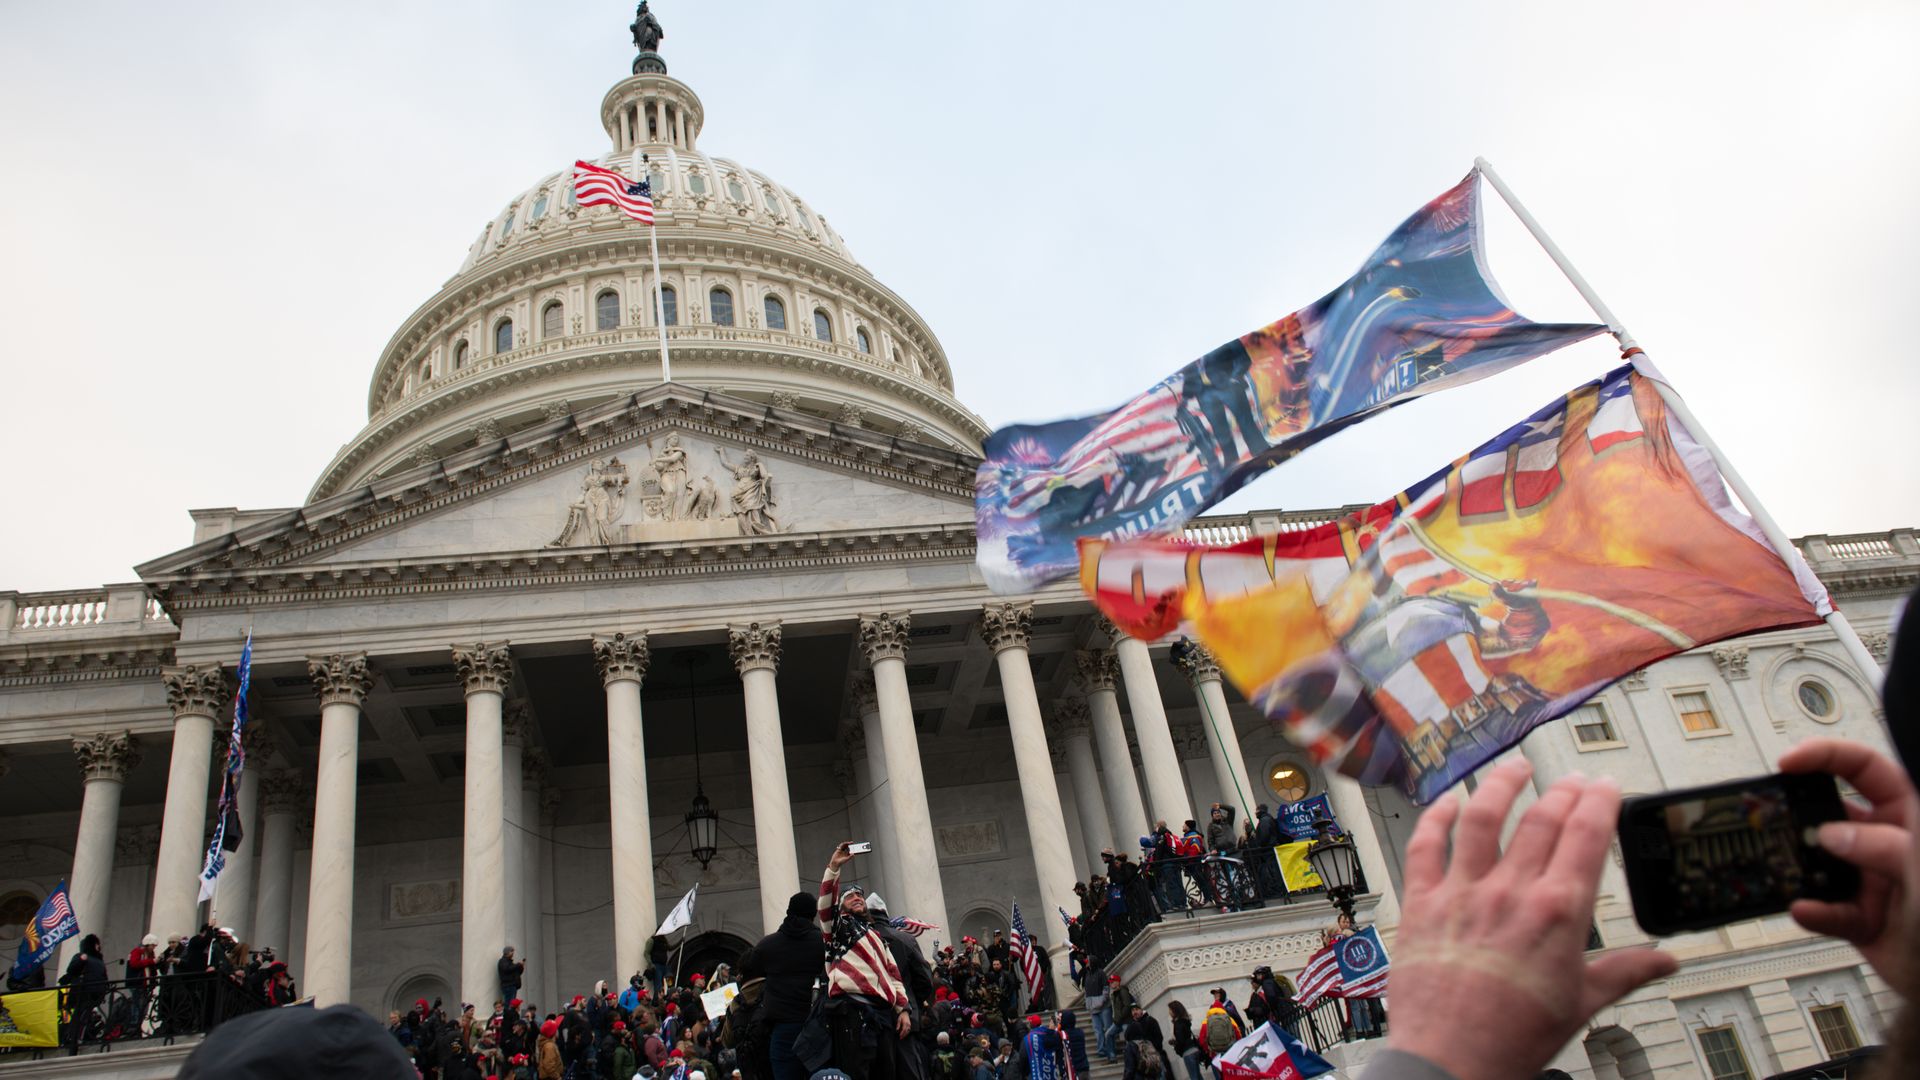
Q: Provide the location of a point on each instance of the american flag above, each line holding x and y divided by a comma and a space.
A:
227, 830
1026, 953
595, 186
911, 926
1320, 978
58, 910
1365, 975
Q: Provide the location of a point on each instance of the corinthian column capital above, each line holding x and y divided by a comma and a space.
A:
279, 792
754, 645
1106, 626
106, 755
196, 690
340, 678
621, 657
533, 768
1006, 625
484, 668
884, 636
1098, 668
515, 719
1199, 664
1072, 716
862, 695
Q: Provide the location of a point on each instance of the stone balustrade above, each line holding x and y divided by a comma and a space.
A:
121, 606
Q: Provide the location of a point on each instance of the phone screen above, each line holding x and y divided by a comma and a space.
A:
1710, 856
860, 847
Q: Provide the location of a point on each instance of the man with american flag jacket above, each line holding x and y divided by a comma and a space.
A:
868, 1010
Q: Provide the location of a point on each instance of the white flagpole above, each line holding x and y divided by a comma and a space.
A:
659, 284
1856, 650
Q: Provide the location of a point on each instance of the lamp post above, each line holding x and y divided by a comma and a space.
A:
703, 822
1333, 859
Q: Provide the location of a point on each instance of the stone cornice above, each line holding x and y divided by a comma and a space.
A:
81, 664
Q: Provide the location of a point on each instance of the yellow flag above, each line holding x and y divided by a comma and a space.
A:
30, 1019
1295, 868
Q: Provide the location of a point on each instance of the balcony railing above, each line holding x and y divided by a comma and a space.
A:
136, 1010
78, 608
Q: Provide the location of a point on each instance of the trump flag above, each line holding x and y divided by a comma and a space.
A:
1421, 315
1413, 641
54, 923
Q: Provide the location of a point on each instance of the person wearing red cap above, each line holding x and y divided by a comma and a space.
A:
624, 1063
1046, 1057
546, 1052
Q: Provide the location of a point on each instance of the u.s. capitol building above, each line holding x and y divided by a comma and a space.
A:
543, 600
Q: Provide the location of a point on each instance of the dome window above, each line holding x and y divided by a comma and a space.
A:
670, 305
606, 310
506, 227
720, 305
539, 207
776, 312
767, 200
552, 317
861, 341
503, 336
822, 326
696, 183
735, 191
806, 220
460, 354
426, 371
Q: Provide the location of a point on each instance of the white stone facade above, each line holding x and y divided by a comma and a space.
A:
473, 699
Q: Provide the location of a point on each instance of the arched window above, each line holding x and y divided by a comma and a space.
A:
720, 304
670, 300
539, 207
426, 371
696, 183
506, 227
551, 319
460, 354
503, 336
606, 310
735, 191
861, 341
822, 326
776, 312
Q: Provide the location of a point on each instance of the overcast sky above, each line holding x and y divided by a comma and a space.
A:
214, 215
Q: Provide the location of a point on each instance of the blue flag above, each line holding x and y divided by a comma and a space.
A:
54, 924
1363, 964
227, 830
1296, 819
1421, 315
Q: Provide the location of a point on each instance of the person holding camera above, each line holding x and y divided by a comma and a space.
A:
867, 1010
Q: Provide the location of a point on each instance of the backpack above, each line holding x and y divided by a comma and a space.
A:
1147, 1057
1220, 1032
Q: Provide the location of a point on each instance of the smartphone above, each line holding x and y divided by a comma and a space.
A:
859, 847
1708, 856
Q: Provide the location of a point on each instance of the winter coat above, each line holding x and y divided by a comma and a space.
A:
1220, 835
547, 1054
1076, 1044
510, 973
792, 958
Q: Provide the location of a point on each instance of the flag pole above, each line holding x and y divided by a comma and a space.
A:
659, 284
1850, 642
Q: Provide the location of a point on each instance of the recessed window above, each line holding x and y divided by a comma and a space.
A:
656, 183
566, 190
1816, 699
606, 310
551, 318
1696, 712
1835, 1028
861, 341
426, 371
1288, 782
822, 326
506, 227
776, 312
806, 219
503, 336
670, 304
767, 200
460, 354
696, 183
539, 207
720, 305
1725, 1060
735, 191
1592, 727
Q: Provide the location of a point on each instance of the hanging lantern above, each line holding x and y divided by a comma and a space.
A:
1333, 859
703, 821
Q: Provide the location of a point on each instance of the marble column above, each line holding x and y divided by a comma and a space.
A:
622, 660
870, 748
1350, 809
343, 681
233, 904
1216, 722
486, 669
1166, 790
1069, 811
756, 655
1006, 627
1076, 737
533, 775
105, 760
1127, 815
549, 928
883, 638
513, 868
273, 906
196, 694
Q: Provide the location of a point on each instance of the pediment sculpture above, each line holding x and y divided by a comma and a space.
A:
678, 499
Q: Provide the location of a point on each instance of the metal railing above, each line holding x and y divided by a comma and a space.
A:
135, 1010
1331, 1021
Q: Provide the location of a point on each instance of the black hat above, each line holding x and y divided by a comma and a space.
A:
802, 905
350, 1042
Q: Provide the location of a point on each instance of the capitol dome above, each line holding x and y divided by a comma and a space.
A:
553, 310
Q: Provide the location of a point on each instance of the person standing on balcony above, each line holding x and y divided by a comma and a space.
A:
86, 983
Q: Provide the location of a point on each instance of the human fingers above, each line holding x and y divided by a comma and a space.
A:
1848, 920
1585, 837
1876, 848
1615, 975
1871, 773
1533, 839
1426, 860
1476, 844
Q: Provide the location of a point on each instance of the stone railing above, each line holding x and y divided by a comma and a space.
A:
1233, 528
79, 609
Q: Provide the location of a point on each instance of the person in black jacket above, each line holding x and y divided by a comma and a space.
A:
86, 983
791, 960
511, 972
1266, 837
1145, 1028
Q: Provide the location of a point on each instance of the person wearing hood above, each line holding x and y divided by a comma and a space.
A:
631, 997
271, 1044
1074, 1042
86, 983
790, 960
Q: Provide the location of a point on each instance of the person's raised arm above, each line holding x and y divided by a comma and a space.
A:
830, 881
1493, 944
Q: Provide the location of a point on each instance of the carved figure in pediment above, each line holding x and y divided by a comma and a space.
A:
705, 497
752, 494
670, 466
594, 519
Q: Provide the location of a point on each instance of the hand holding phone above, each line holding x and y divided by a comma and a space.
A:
859, 847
